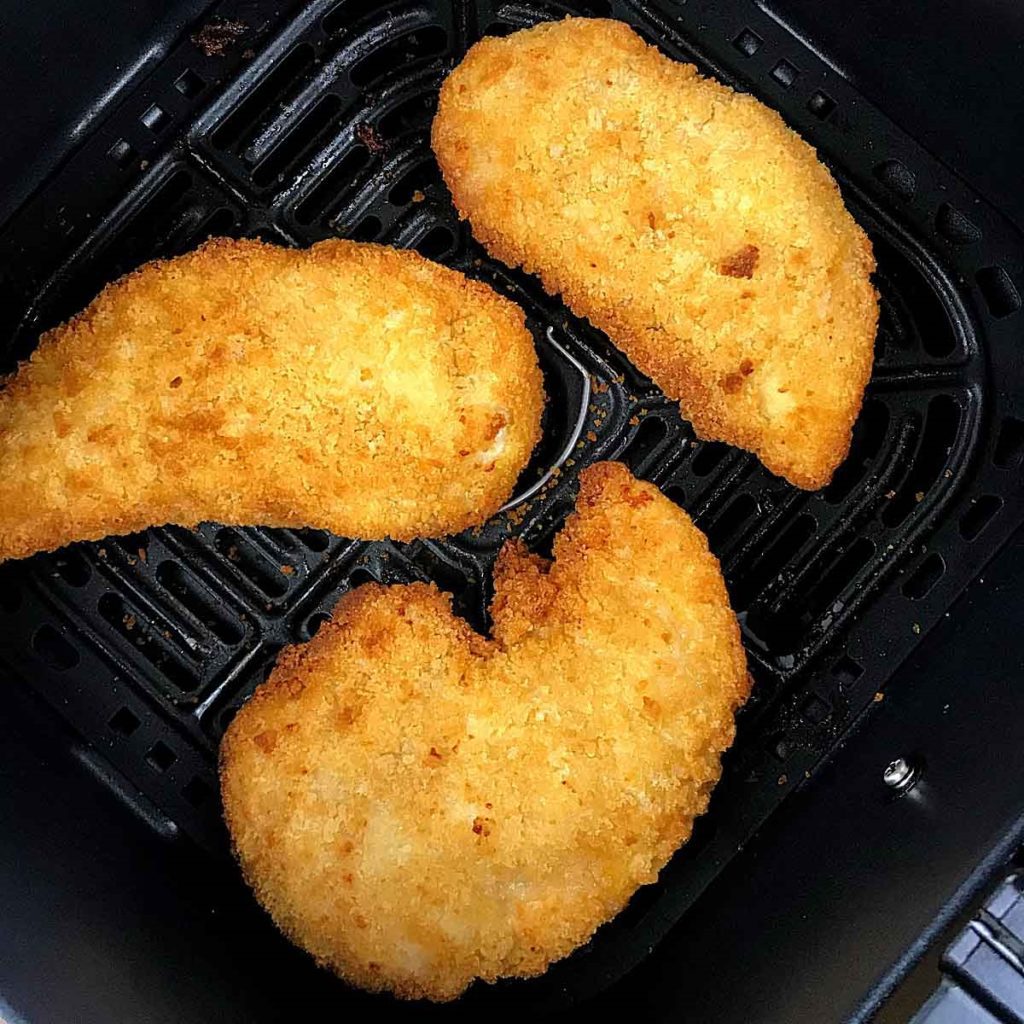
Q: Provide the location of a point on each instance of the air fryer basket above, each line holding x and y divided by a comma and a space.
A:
295, 126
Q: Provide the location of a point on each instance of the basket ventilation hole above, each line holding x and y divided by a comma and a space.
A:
254, 107
847, 671
955, 227
306, 132
416, 111
677, 494
869, 433
423, 43
979, 515
314, 540
897, 178
367, 230
10, 590
732, 518
360, 576
1010, 442
595, 8
72, 568
196, 792
841, 576
755, 578
347, 13
821, 105
148, 639
122, 153
644, 443
156, 119
437, 242
193, 596
225, 717
251, 562
189, 84
998, 291
160, 756
785, 73
132, 543
221, 222
124, 721
937, 439
418, 179
313, 624
748, 42
332, 185
281, 539
146, 235
924, 577
912, 317
708, 456
54, 649
815, 709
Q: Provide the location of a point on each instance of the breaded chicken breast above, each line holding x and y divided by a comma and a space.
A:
348, 386
683, 219
418, 806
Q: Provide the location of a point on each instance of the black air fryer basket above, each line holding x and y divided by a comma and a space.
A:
296, 122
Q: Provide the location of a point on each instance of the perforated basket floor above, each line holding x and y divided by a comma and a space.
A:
294, 122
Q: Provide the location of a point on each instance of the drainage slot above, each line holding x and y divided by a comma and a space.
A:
1010, 442
310, 128
924, 577
143, 636
980, 513
54, 649
347, 13
421, 44
732, 518
252, 110
708, 456
251, 563
124, 721
160, 756
999, 291
72, 567
869, 434
650, 435
194, 597
937, 439
414, 112
436, 243
417, 180
333, 185
750, 582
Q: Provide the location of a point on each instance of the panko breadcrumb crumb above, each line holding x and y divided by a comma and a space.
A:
348, 386
680, 217
418, 806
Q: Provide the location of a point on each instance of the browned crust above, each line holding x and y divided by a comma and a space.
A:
740, 263
419, 806
596, 96
350, 387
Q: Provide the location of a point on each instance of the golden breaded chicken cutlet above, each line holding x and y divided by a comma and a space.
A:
419, 806
685, 220
349, 387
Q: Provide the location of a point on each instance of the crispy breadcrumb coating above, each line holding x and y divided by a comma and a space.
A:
418, 806
349, 387
683, 219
